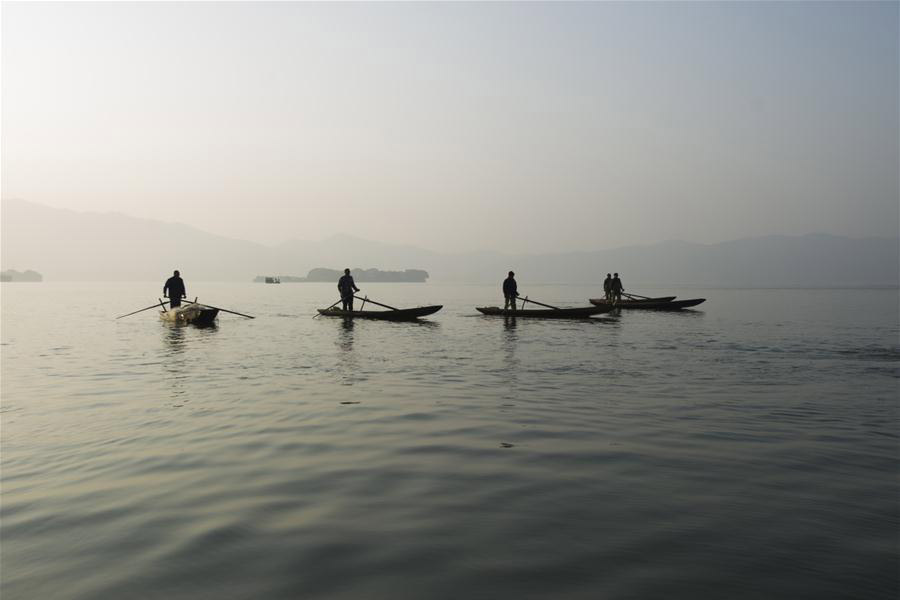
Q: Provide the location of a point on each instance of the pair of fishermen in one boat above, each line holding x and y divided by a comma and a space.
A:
613, 288
639, 302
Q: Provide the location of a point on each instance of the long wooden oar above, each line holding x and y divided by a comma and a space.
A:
318, 314
636, 296
222, 309
526, 299
161, 303
367, 299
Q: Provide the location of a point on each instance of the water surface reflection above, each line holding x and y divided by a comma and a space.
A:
645, 455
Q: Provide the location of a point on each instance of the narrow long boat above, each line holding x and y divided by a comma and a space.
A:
400, 314
190, 314
671, 305
545, 313
632, 302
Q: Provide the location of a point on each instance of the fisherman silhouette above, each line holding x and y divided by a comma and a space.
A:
174, 290
347, 287
510, 292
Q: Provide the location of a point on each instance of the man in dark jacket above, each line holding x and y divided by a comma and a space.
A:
607, 288
510, 292
347, 288
174, 290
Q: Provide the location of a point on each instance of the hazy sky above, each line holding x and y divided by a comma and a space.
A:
517, 127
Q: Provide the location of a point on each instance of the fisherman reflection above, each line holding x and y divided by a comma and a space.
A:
347, 366
175, 339
345, 341
175, 368
510, 342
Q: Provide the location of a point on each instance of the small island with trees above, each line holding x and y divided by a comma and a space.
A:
359, 275
13, 275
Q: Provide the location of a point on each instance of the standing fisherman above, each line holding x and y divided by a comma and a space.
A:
617, 288
510, 292
607, 288
174, 290
347, 287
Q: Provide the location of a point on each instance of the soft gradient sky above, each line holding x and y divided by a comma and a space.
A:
470, 126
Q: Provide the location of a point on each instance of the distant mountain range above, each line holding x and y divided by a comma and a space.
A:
67, 245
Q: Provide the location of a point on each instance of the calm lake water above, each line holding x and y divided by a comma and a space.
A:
746, 449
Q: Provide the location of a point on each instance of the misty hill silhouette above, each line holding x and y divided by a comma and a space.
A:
68, 245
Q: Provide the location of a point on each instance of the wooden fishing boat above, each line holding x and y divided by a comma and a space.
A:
671, 305
632, 301
190, 314
398, 314
545, 313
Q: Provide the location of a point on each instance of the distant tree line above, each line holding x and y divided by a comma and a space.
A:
360, 275
13, 275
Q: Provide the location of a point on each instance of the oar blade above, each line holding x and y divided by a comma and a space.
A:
527, 299
221, 309
367, 299
318, 314
233, 312
137, 311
